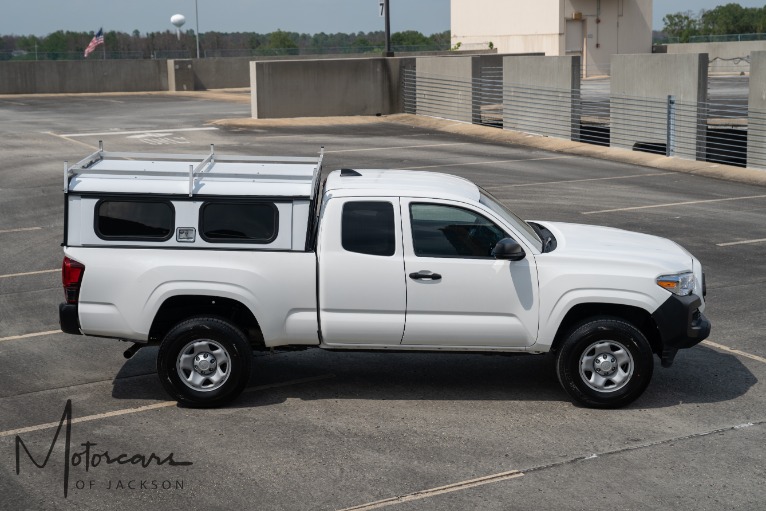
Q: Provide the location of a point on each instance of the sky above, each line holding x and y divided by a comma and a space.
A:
41, 17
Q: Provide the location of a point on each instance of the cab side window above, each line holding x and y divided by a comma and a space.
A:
368, 228
439, 230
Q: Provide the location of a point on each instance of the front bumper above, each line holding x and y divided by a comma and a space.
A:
681, 325
68, 319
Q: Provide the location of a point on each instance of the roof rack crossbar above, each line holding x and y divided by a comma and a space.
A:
199, 166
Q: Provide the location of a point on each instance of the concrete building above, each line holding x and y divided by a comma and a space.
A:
591, 29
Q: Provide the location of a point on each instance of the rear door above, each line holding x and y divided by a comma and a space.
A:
362, 292
457, 293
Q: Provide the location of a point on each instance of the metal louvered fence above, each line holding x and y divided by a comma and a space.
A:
720, 130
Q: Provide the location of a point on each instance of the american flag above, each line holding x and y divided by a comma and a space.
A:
97, 39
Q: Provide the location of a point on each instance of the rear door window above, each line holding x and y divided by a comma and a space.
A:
368, 228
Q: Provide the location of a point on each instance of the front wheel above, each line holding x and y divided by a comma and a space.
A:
204, 362
605, 363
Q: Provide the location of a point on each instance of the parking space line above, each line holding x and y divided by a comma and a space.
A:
132, 132
489, 162
9, 275
423, 494
745, 242
21, 229
154, 406
542, 183
26, 336
395, 147
670, 204
734, 351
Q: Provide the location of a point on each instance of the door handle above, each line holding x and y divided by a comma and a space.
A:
425, 275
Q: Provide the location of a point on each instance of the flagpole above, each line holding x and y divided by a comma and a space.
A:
104, 45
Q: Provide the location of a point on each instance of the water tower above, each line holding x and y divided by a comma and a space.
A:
178, 20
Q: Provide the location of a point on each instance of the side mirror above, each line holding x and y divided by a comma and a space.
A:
509, 249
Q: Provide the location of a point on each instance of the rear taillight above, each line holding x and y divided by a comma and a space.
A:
71, 276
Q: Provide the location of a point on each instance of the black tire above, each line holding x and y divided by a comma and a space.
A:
216, 362
605, 362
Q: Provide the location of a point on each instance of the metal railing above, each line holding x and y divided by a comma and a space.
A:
712, 38
17, 55
715, 130
21, 55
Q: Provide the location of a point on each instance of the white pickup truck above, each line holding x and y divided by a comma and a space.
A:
213, 257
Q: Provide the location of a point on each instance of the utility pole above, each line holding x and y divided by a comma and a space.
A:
196, 18
389, 53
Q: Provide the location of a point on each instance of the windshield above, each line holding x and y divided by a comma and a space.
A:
509, 216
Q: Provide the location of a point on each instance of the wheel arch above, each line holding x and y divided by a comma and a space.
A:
180, 307
638, 317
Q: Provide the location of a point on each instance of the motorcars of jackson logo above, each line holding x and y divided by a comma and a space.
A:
90, 458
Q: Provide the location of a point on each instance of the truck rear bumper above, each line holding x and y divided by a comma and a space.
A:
681, 325
68, 319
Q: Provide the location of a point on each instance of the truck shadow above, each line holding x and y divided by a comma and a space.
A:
699, 375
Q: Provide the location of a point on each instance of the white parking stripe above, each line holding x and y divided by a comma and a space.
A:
155, 406
28, 273
26, 336
670, 204
396, 147
734, 351
132, 132
21, 229
730, 243
543, 183
488, 162
423, 494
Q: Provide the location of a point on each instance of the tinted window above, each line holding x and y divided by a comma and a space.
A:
447, 231
238, 222
368, 228
143, 220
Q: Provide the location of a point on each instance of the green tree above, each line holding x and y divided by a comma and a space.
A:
409, 38
281, 40
682, 25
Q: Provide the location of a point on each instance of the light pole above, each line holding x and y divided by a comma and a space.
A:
196, 19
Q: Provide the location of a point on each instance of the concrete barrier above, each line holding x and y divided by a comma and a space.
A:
74, 76
441, 77
640, 86
320, 88
725, 57
756, 114
542, 87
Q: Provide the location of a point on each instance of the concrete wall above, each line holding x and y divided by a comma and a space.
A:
83, 76
756, 115
512, 26
526, 26
317, 88
541, 95
609, 27
640, 87
180, 75
445, 87
724, 57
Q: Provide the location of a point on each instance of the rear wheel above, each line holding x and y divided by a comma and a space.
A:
204, 362
605, 363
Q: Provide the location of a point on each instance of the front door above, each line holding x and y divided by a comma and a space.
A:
362, 292
457, 293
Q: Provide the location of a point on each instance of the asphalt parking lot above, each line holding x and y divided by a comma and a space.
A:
324, 431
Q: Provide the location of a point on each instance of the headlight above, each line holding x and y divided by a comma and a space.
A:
679, 283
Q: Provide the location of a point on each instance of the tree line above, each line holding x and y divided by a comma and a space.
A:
67, 44
725, 19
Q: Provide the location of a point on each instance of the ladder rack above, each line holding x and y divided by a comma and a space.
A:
201, 166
